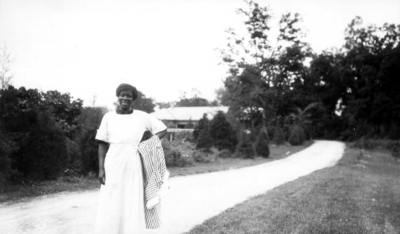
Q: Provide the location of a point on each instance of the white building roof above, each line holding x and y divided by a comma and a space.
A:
188, 113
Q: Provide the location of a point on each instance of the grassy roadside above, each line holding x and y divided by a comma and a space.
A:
359, 195
14, 193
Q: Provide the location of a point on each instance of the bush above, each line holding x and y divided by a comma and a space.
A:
189, 125
224, 153
396, 150
221, 132
174, 156
7, 147
205, 155
279, 136
183, 135
297, 136
74, 168
45, 156
204, 140
245, 148
380, 144
261, 145
89, 122
203, 123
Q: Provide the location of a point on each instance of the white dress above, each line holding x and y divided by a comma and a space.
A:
121, 200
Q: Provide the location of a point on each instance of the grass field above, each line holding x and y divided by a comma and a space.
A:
19, 192
359, 195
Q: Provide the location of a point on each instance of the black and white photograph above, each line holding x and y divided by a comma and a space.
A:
199, 116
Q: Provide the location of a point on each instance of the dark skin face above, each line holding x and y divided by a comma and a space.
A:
125, 100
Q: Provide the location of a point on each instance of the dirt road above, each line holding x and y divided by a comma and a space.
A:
190, 201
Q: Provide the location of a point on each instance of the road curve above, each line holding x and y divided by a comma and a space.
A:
190, 201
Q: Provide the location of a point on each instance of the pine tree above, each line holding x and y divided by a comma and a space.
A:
261, 145
297, 135
221, 132
204, 140
200, 125
279, 136
245, 148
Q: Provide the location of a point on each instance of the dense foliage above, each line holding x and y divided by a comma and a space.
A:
36, 127
222, 133
262, 144
344, 94
45, 135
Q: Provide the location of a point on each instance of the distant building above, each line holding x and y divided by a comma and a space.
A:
179, 117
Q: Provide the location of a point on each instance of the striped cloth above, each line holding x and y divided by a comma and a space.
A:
153, 160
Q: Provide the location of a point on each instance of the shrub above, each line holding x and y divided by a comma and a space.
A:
245, 148
205, 155
189, 125
396, 150
204, 140
183, 135
174, 156
221, 132
225, 153
203, 123
89, 122
261, 145
45, 156
74, 168
297, 136
380, 144
7, 147
279, 136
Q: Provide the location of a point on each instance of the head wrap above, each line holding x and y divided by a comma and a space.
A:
124, 86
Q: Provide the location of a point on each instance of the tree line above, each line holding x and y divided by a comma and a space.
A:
345, 93
45, 135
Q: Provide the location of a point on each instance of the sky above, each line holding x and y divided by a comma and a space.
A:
162, 47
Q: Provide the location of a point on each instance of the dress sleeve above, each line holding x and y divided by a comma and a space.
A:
154, 125
102, 132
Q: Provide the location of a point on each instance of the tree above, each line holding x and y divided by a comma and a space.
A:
204, 140
370, 71
279, 136
7, 148
297, 135
262, 74
222, 96
221, 132
189, 125
193, 100
64, 109
88, 122
5, 63
143, 103
203, 123
45, 155
245, 147
262, 144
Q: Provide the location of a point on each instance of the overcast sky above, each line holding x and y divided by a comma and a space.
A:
163, 47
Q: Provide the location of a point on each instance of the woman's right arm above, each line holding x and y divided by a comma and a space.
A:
102, 156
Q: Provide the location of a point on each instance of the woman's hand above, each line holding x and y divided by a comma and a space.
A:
102, 177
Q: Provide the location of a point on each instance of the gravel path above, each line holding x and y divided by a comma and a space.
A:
190, 201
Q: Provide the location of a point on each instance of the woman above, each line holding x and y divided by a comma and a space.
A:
121, 203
